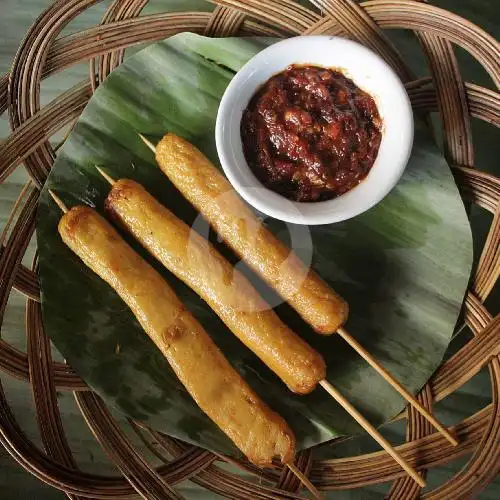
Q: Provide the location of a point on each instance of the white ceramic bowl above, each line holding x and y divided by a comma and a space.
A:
370, 73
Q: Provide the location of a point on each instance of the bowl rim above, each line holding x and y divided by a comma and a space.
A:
276, 205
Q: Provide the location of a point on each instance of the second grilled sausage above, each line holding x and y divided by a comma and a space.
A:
226, 290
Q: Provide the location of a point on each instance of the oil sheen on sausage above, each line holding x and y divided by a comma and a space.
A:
225, 289
214, 197
217, 388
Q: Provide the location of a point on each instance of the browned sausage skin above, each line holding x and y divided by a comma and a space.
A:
217, 388
214, 197
225, 289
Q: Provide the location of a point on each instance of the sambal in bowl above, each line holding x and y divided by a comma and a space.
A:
314, 130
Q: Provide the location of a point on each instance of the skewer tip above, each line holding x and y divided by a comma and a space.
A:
105, 175
58, 201
427, 414
148, 143
374, 433
452, 439
305, 481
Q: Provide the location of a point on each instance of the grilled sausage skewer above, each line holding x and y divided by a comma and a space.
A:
226, 290
195, 261
217, 388
214, 197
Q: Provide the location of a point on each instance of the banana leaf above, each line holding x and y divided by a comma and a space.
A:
403, 266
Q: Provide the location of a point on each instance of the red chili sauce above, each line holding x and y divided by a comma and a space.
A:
310, 134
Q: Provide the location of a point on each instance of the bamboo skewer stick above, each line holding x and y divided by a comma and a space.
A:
300, 476
148, 143
58, 201
305, 481
396, 384
348, 407
105, 175
293, 468
361, 420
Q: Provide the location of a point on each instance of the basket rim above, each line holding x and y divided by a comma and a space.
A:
42, 53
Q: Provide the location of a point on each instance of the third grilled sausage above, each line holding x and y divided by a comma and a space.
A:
217, 388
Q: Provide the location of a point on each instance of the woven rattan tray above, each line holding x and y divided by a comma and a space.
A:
45, 52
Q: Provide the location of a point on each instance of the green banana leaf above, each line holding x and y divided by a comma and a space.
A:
403, 266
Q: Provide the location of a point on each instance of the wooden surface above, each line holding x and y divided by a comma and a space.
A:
15, 18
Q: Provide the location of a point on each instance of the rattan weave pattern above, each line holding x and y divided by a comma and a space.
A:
44, 52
